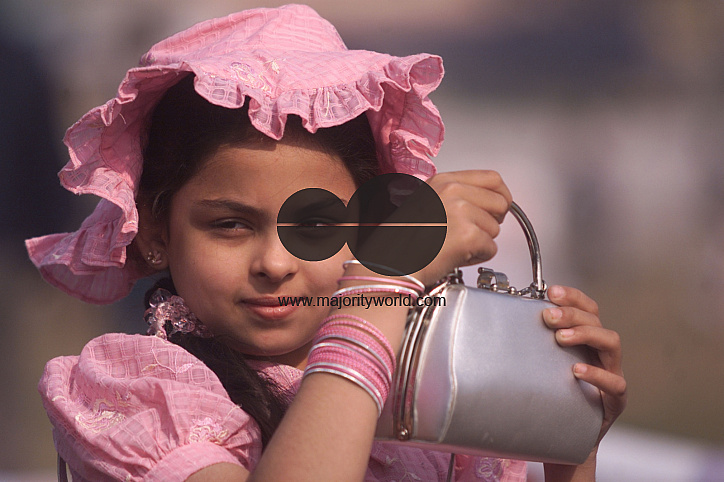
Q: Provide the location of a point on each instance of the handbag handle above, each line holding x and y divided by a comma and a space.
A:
495, 281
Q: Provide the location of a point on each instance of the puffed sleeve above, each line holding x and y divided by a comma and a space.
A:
135, 407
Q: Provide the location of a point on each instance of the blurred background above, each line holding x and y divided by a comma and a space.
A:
605, 119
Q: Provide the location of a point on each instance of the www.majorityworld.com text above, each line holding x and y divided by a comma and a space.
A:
363, 300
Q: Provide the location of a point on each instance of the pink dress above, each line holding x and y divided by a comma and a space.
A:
135, 407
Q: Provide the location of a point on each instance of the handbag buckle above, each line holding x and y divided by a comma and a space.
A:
497, 282
494, 281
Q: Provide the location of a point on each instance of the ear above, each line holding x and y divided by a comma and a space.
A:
151, 241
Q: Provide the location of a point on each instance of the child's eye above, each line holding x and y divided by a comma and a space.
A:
316, 228
230, 224
317, 223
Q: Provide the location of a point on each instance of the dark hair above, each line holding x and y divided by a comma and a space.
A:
185, 131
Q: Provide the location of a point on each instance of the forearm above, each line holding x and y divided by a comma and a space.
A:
573, 473
328, 430
326, 434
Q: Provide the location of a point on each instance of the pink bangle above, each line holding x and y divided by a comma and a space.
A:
350, 347
351, 358
349, 374
346, 333
341, 347
364, 326
380, 279
346, 330
340, 340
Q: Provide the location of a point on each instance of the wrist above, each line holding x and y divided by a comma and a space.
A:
574, 473
389, 319
356, 271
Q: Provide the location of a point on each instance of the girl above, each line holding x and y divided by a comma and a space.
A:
194, 158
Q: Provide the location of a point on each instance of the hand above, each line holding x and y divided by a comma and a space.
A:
576, 322
475, 202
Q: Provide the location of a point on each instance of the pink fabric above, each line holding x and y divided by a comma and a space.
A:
283, 61
134, 407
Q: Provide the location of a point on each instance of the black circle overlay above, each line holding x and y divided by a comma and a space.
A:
394, 224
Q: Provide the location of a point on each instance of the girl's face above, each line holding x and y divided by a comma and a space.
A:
225, 256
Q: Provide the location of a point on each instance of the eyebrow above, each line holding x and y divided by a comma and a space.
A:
235, 206
322, 204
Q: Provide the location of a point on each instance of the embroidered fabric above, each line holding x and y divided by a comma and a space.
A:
281, 61
135, 407
152, 411
169, 310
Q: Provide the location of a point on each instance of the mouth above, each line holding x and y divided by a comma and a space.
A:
268, 307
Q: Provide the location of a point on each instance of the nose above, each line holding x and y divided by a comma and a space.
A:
273, 263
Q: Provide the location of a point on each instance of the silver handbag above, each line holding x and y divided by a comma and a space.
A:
483, 375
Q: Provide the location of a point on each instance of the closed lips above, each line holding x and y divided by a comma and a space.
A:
264, 301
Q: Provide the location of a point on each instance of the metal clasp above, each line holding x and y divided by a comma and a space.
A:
494, 281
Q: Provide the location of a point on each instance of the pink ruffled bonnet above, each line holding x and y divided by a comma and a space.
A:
282, 61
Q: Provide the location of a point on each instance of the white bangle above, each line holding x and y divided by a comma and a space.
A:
386, 288
411, 279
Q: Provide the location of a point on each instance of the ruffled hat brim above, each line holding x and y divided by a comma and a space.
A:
281, 61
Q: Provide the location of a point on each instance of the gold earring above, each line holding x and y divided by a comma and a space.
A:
154, 257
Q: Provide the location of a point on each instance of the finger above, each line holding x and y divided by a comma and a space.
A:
485, 199
606, 342
613, 391
567, 317
479, 219
466, 245
567, 296
610, 383
491, 180
475, 232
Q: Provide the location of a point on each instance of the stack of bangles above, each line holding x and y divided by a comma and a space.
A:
350, 347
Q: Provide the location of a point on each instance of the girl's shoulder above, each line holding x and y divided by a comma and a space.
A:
134, 407
129, 357
125, 361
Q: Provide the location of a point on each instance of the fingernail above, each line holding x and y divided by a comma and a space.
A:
566, 333
555, 292
579, 369
554, 314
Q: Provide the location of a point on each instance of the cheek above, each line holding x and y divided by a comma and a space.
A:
200, 268
208, 285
